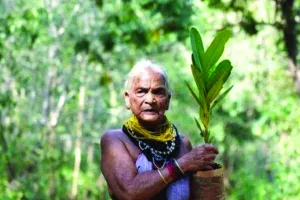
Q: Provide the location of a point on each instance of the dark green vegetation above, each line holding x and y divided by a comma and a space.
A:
63, 64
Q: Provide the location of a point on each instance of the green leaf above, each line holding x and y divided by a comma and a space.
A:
211, 139
199, 126
198, 79
215, 90
226, 74
217, 72
206, 137
204, 115
197, 48
194, 63
215, 49
200, 101
221, 97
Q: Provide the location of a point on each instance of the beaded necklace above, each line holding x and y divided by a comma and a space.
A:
164, 133
156, 151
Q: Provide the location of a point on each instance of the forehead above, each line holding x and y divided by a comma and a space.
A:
149, 78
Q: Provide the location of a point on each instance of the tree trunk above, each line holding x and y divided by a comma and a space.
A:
290, 39
77, 161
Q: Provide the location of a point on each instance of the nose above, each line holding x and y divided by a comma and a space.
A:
150, 98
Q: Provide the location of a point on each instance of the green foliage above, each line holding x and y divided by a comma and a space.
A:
198, 50
209, 79
52, 50
215, 50
221, 96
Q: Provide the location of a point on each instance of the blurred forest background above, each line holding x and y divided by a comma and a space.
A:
62, 68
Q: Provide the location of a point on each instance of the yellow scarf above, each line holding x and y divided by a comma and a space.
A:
166, 131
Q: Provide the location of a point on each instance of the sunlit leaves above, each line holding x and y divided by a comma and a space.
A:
197, 47
214, 91
216, 48
198, 79
199, 126
219, 99
215, 74
209, 79
201, 102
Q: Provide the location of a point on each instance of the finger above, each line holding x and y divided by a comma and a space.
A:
210, 163
206, 167
211, 148
210, 157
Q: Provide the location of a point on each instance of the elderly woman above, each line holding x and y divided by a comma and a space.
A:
148, 158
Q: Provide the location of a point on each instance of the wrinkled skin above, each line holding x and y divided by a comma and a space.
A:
148, 100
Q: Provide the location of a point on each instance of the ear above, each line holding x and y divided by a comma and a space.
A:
168, 101
127, 100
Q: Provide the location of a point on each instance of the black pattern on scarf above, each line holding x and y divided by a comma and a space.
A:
160, 146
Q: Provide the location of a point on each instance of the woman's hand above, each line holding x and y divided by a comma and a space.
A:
200, 158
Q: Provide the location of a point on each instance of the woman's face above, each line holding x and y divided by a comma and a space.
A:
148, 98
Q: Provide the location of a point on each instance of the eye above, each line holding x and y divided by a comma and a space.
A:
160, 91
141, 91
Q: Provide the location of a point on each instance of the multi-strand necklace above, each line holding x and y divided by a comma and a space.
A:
156, 151
164, 132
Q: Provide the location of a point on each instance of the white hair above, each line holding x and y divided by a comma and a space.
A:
139, 67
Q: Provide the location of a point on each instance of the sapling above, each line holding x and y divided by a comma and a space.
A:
209, 77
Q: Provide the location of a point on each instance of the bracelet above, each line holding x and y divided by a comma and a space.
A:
162, 177
177, 165
172, 170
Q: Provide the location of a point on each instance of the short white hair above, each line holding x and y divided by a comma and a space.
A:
141, 66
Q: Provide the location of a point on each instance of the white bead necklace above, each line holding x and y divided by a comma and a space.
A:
157, 155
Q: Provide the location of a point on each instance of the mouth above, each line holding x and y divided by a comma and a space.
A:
150, 111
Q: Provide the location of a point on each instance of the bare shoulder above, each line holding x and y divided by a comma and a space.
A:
109, 139
117, 138
186, 142
115, 153
112, 135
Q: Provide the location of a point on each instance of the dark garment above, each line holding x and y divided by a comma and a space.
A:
160, 196
156, 145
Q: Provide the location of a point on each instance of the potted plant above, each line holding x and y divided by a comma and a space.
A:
209, 76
